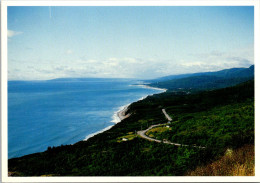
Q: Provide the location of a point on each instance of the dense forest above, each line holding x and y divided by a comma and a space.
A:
218, 120
226, 73
204, 80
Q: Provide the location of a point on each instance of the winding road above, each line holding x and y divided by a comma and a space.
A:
166, 115
143, 135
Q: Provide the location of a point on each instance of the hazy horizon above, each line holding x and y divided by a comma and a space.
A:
110, 77
127, 42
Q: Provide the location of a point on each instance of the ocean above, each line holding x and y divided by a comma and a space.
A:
65, 111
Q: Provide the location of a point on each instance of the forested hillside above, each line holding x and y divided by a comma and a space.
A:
206, 80
218, 120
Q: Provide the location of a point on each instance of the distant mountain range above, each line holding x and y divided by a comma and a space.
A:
204, 80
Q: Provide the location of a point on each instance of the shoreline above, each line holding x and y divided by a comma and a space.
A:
119, 115
150, 87
122, 113
117, 118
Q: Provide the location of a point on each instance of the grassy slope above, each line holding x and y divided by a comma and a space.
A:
239, 162
218, 114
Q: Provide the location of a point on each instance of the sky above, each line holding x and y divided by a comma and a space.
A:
127, 42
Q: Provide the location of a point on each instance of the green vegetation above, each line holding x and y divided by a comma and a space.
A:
239, 162
158, 131
129, 136
205, 81
218, 119
226, 73
220, 127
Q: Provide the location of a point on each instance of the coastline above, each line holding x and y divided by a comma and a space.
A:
93, 134
120, 115
117, 117
150, 87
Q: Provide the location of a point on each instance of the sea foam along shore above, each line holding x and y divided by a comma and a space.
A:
150, 87
119, 115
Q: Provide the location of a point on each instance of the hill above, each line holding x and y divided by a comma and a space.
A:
206, 80
219, 120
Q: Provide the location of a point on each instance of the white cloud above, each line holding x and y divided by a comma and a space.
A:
69, 51
131, 60
130, 67
215, 60
191, 64
11, 33
113, 59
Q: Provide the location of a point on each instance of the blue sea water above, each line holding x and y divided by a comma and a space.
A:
64, 111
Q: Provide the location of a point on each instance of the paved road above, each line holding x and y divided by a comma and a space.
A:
166, 115
142, 134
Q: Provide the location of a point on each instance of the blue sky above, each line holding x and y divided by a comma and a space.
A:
127, 42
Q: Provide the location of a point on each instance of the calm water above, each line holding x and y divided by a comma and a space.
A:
51, 113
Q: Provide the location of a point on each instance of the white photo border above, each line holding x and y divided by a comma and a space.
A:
4, 64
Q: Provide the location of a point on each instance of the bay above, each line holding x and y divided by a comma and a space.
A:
64, 111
